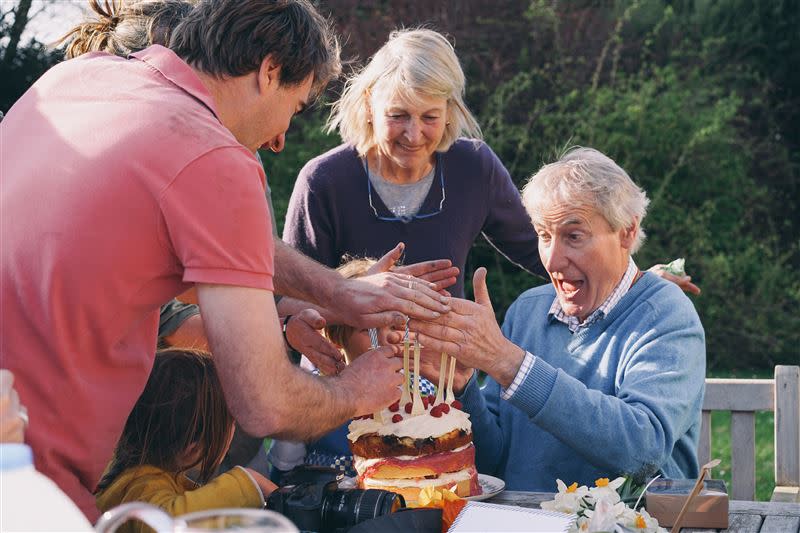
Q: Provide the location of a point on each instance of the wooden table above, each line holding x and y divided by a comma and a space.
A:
744, 517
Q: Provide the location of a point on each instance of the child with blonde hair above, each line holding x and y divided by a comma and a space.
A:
332, 449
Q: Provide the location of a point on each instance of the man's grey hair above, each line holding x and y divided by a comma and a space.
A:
587, 177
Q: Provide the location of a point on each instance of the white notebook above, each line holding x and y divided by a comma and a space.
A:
480, 516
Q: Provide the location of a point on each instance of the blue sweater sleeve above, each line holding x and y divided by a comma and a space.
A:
658, 389
487, 435
508, 227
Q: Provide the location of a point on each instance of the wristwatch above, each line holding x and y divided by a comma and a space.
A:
294, 355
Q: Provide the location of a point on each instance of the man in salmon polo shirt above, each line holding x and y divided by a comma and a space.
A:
127, 181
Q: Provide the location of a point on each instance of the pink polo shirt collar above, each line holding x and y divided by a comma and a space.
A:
178, 72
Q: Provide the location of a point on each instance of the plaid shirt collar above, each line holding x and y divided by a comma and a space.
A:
574, 324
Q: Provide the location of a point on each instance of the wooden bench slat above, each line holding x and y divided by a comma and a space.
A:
787, 425
704, 446
781, 524
743, 455
744, 523
726, 395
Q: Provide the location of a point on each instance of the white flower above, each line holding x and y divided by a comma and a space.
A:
606, 490
642, 521
581, 525
603, 517
600, 508
567, 499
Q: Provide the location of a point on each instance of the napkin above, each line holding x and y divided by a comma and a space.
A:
480, 516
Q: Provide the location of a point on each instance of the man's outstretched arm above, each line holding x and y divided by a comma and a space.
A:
265, 393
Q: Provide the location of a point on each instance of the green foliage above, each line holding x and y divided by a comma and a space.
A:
681, 122
304, 141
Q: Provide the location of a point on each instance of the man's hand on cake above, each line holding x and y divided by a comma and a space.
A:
440, 272
373, 379
470, 333
302, 334
386, 299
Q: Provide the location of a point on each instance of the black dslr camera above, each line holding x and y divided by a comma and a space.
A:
310, 497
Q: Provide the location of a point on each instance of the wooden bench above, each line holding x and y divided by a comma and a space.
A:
743, 397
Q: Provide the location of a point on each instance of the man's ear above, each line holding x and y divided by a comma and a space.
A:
628, 235
269, 74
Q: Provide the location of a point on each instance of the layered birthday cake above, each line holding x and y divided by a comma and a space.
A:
404, 450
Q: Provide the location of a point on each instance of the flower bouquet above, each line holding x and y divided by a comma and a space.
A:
608, 506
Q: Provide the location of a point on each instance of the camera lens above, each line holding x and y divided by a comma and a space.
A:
346, 508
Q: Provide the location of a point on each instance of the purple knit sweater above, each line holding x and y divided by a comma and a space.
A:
329, 213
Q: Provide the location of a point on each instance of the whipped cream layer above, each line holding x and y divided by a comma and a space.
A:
415, 427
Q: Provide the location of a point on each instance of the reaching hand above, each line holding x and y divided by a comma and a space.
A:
302, 333
373, 379
684, 282
12, 423
440, 272
386, 299
470, 333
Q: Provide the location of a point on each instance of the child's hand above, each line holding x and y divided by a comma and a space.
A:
264, 484
302, 334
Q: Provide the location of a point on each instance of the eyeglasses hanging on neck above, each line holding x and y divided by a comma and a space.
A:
407, 218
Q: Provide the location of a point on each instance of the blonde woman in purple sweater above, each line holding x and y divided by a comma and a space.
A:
412, 168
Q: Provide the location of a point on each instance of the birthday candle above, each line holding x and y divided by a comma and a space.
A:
451, 375
405, 395
442, 377
417, 408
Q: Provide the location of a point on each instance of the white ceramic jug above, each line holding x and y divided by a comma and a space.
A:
29, 500
239, 520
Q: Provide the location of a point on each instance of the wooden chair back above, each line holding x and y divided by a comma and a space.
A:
743, 398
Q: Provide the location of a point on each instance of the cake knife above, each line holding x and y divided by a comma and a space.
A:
442, 375
417, 407
373, 339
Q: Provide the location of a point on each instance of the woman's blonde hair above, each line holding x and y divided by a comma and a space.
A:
122, 27
412, 63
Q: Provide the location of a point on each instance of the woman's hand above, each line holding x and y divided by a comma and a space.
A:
12, 423
302, 334
684, 282
440, 272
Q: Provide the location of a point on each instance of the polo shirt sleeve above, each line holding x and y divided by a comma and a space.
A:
217, 222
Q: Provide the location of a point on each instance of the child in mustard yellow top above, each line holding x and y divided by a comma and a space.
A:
180, 423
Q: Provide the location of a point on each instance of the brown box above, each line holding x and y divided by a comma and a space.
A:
665, 498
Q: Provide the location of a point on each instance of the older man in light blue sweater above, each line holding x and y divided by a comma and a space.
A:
598, 374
